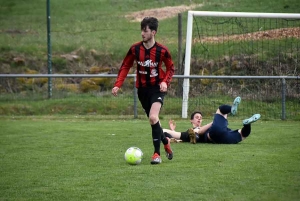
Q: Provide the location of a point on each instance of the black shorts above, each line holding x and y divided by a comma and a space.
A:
199, 138
150, 95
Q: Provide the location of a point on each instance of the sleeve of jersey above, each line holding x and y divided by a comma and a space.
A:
124, 69
170, 69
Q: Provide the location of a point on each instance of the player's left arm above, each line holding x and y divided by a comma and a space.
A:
170, 69
203, 129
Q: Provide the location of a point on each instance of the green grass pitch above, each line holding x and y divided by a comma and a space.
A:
82, 158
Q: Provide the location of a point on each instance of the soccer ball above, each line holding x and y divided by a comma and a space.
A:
133, 156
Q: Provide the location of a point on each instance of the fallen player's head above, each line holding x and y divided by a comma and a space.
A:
194, 113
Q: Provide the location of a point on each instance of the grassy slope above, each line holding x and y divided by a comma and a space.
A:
100, 25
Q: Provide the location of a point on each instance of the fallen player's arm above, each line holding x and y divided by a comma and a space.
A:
203, 129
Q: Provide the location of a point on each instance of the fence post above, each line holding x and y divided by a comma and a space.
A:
49, 50
179, 53
283, 92
135, 99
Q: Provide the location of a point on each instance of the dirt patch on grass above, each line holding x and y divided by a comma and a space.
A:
160, 13
172, 11
260, 35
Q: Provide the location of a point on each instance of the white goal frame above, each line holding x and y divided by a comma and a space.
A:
191, 14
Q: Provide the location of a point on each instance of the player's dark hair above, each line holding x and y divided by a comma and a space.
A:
151, 22
193, 114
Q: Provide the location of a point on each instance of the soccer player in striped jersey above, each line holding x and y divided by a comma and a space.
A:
152, 81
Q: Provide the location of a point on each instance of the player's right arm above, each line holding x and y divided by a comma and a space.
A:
123, 71
115, 90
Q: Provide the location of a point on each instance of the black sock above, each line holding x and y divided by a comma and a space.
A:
246, 130
156, 136
167, 135
163, 137
225, 109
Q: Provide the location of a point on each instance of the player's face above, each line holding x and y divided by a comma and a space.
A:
147, 34
197, 120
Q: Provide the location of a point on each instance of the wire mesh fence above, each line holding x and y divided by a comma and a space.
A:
273, 97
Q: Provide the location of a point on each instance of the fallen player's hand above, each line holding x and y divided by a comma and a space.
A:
172, 125
197, 130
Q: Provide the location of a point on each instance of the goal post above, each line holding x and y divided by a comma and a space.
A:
189, 39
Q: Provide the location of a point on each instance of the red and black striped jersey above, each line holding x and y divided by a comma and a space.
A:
149, 65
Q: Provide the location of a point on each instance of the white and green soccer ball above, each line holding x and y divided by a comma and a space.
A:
133, 155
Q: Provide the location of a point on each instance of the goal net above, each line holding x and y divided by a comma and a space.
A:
239, 44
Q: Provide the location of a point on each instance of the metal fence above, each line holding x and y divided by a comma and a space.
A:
275, 97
